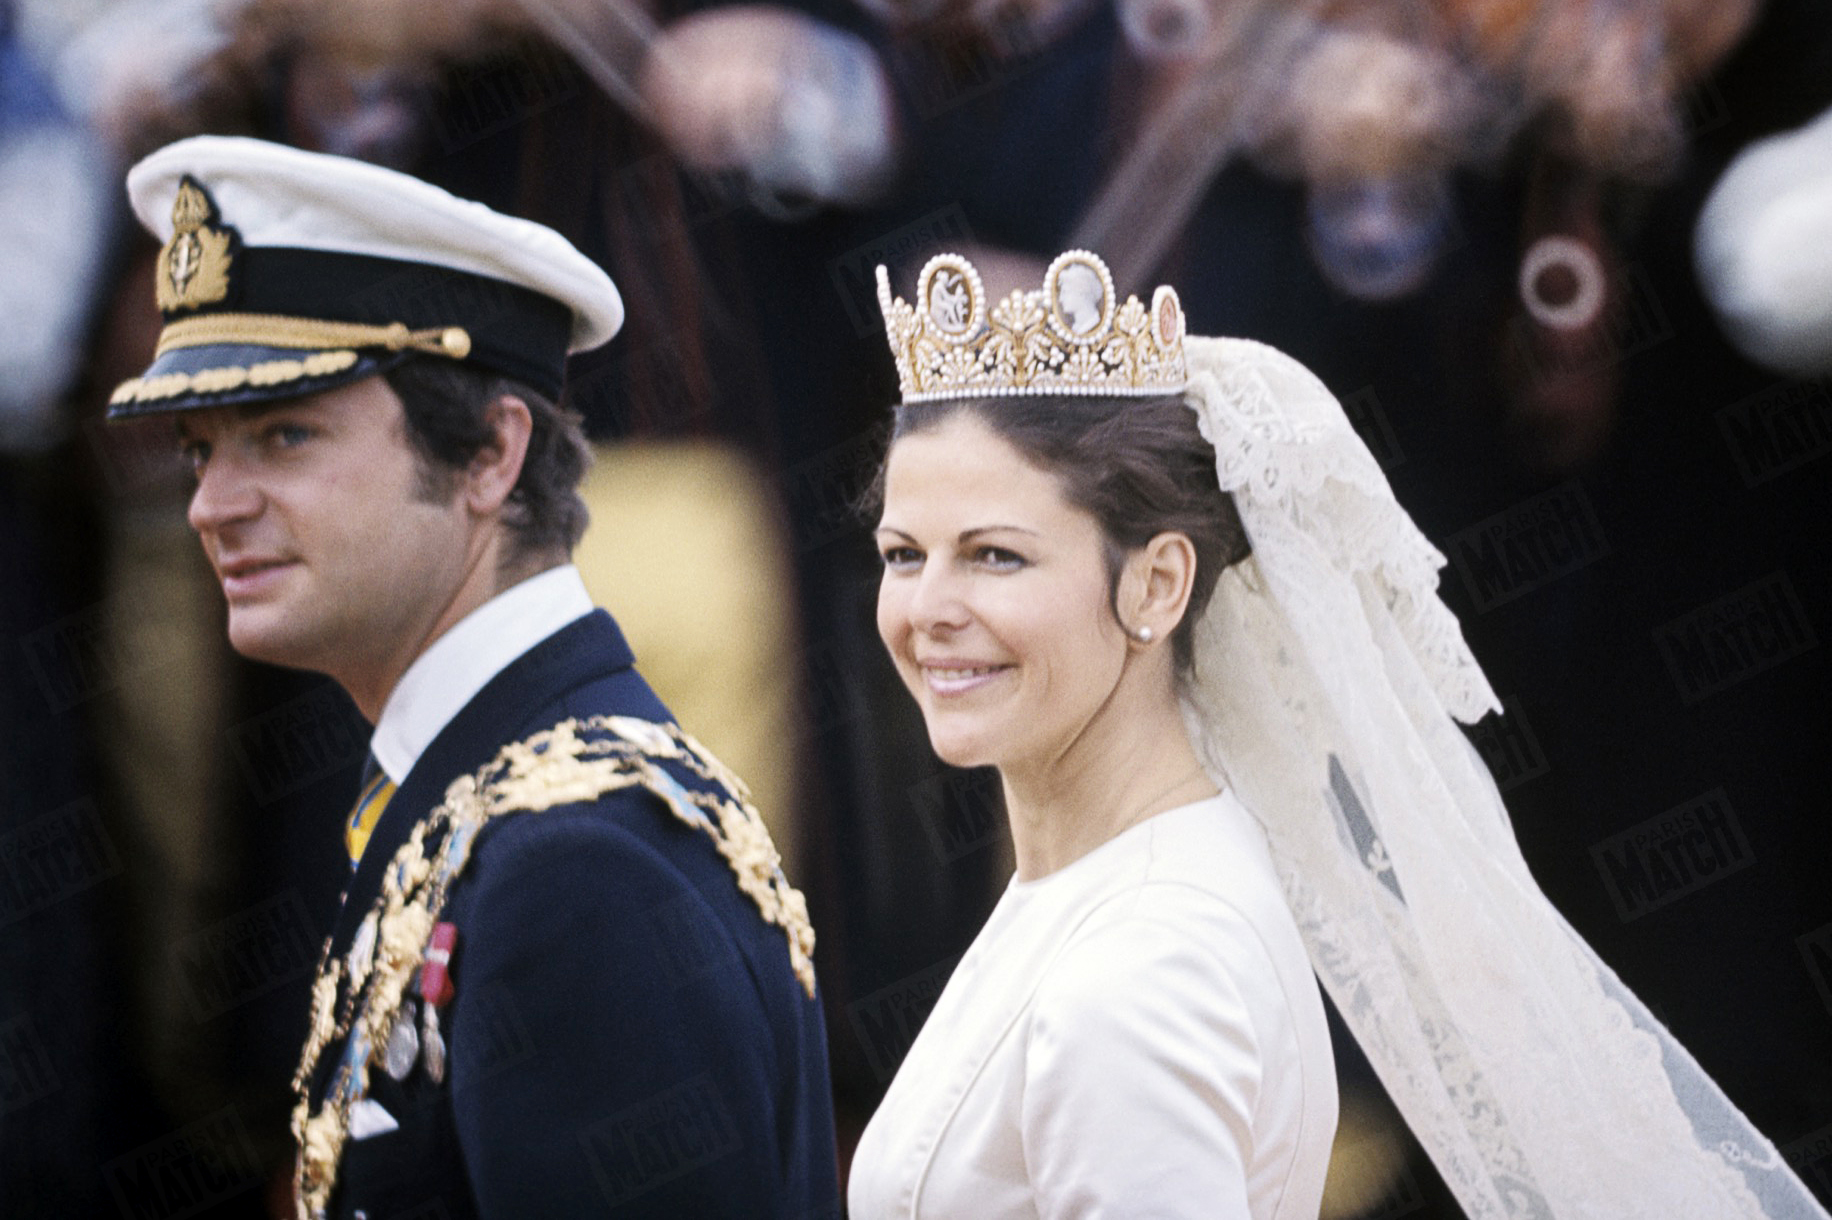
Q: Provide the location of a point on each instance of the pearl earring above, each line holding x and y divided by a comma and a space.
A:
1144, 635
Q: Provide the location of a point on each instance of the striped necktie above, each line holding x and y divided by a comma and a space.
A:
377, 788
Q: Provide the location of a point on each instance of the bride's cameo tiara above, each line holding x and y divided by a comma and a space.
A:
1073, 337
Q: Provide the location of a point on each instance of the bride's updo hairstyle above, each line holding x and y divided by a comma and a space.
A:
1139, 466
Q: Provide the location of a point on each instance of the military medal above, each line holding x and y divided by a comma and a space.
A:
403, 1046
435, 988
432, 1046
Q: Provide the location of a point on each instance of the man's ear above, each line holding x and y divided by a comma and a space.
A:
494, 470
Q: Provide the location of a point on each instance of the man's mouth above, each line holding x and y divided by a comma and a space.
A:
248, 577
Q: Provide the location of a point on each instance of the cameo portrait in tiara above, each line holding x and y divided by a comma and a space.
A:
1159, 584
1078, 297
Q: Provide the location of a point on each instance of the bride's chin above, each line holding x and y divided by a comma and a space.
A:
958, 752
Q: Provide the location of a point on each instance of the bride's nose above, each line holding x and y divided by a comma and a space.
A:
938, 603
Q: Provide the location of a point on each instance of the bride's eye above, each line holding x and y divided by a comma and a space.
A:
900, 558
999, 559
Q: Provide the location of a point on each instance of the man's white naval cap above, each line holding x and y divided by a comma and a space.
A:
286, 272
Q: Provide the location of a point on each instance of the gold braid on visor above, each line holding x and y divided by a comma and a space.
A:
332, 347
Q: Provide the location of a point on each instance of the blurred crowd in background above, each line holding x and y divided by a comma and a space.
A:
1568, 264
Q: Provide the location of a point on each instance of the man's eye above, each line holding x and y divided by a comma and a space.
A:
288, 435
196, 454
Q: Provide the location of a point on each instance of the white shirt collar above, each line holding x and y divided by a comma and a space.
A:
459, 663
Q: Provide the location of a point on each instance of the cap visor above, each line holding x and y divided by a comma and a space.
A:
232, 374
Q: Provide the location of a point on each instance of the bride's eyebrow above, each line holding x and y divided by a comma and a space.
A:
966, 535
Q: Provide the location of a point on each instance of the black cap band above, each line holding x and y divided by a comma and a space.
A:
514, 330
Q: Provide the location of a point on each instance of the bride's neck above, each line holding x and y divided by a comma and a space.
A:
1128, 764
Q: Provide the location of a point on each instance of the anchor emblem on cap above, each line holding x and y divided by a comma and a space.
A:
194, 266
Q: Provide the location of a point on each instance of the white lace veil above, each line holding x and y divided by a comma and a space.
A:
1328, 676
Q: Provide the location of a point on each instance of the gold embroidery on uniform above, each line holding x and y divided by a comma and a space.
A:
194, 264
575, 761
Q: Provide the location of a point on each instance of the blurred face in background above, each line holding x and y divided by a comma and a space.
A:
994, 601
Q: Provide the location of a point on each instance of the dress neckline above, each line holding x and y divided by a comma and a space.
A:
1085, 863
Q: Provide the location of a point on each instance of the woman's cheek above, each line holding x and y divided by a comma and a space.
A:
893, 619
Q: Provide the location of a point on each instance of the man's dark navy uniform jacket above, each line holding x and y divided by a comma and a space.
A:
627, 1037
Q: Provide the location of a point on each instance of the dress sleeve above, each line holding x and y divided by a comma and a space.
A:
1142, 1071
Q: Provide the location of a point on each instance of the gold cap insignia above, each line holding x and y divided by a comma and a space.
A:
1073, 337
194, 265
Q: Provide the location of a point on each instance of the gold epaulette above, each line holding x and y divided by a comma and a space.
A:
576, 760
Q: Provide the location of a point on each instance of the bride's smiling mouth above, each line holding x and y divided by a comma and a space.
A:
959, 677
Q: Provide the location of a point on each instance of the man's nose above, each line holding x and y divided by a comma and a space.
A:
225, 493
